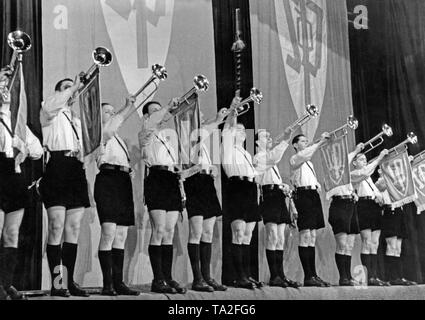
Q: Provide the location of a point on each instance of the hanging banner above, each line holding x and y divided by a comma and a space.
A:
397, 174
418, 172
334, 157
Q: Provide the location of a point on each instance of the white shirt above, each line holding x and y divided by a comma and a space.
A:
32, 143
115, 151
236, 161
55, 117
156, 150
363, 182
266, 163
382, 186
302, 171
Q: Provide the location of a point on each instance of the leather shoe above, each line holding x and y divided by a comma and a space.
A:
108, 291
398, 282
174, 284
346, 283
407, 283
258, 284
244, 283
3, 294
216, 286
291, 283
201, 286
278, 282
75, 290
385, 283
15, 294
64, 293
160, 286
374, 282
313, 282
123, 290
325, 284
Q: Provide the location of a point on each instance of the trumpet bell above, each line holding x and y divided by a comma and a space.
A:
352, 122
201, 83
159, 72
102, 56
412, 138
256, 95
19, 41
312, 110
387, 130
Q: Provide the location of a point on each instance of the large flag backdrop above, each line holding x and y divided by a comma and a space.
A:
301, 56
139, 33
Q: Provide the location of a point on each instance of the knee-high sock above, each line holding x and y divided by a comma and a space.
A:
194, 257
10, 256
117, 266
348, 266
155, 256
389, 268
205, 251
167, 261
366, 261
247, 259
305, 261
105, 259
312, 260
271, 260
399, 267
237, 256
69, 256
54, 254
340, 263
373, 265
279, 264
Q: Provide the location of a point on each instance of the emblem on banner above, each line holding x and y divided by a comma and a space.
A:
419, 177
140, 32
396, 171
302, 30
333, 156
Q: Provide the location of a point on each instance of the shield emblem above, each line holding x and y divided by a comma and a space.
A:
302, 28
419, 178
140, 32
396, 172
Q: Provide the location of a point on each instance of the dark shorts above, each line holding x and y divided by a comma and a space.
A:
14, 193
393, 224
162, 191
64, 183
113, 194
273, 207
310, 212
243, 201
201, 197
343, 217
370, 215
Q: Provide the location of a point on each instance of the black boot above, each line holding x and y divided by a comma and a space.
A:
117, 274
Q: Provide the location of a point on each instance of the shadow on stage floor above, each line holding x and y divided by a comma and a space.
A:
269, 293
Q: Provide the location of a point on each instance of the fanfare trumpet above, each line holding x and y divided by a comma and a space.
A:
243, 107
102, 57
386, 130
411, 138
311, 112
159, 73
200, 83
351, 123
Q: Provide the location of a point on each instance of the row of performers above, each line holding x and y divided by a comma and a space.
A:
363, 207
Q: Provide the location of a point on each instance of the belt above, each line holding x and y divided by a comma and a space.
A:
345, 197
4, 156
241, 178
208, 172
271, 187
107, 166
367, 198
388, 207
164, 168
306, 188
64, 153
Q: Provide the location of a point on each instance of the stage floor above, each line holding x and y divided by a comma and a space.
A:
269, 293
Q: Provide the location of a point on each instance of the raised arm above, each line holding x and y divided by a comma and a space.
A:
364, 173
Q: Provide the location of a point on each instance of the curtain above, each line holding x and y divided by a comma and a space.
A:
388, 77
26, 16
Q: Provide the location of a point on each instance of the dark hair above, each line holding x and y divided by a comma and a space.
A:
297, 138
59, 84
145, 109
105, 104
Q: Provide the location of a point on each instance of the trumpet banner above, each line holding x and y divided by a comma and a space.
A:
91, 119
336, 169
418, 172
398, 177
